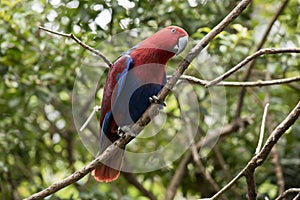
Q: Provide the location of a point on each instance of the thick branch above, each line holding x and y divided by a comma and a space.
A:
251, 186
250, 58
91, 49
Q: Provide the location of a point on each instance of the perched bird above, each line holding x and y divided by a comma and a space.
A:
133, 81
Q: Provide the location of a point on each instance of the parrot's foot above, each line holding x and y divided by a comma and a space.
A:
121, 133
125, 129
155, 99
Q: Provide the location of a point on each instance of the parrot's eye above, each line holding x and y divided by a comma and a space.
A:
173, 30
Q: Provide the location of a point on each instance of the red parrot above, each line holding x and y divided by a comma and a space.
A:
135, 79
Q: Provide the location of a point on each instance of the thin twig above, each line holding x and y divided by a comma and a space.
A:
258, 159
195, 155
223, 132
91, 49
221, 161
250, 65
262, 129
95, 109
181, 169
275, 160
178, 176
224, 167
226, 187
258, 83
248, 59
287, 192
297, 197
132, 180
295, 86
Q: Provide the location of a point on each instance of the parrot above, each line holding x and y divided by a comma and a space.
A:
132, 83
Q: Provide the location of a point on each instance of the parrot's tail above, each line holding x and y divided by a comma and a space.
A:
110, 170
104, 173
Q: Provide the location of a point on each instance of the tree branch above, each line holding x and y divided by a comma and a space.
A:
224, 166
195, 155
91, 49
287, 192
177, 177
274, 152
251, 186
250, 58
249, 67
259, 83
262, 129
80, 173
259, 158
181, 169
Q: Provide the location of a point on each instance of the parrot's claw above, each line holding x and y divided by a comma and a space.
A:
155, 99
121, 133
125, 129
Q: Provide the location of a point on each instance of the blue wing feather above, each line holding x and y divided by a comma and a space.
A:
120, 79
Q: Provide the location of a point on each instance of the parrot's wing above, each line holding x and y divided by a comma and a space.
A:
115, 82
121, 77
115, 85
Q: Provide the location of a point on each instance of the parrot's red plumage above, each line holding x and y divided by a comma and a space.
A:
134, 77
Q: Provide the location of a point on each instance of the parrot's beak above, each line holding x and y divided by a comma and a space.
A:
181, 44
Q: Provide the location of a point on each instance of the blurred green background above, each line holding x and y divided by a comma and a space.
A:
39, 144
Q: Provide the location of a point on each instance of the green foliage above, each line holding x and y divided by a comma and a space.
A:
38, 140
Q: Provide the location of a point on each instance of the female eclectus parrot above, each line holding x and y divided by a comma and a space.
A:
132, 84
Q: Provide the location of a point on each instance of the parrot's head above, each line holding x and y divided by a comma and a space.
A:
168, 41
172, 38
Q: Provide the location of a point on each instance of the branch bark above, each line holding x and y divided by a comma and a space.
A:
275, 159
251, 186
181, 169
249, 67
287, 192
250, 58
259, 158
262, 129
195, 155
80, 173
258, 83
177, 177
91, 49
